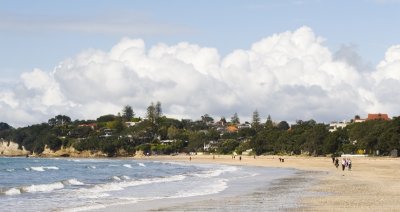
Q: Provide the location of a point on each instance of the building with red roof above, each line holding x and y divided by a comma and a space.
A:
378, 116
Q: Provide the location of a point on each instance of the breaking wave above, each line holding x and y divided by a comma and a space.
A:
42, 168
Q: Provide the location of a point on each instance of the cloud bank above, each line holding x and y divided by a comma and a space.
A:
290, 75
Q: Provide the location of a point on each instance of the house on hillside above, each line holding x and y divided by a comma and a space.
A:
244, 125
336, 125
372, 116
379, 116
131, 123
232, 129
166, 142
91, 125
106, 133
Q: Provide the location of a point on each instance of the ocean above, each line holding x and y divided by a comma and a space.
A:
71, 184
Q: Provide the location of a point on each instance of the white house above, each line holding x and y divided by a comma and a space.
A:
336, 125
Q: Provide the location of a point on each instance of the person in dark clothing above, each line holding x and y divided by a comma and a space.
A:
343, 164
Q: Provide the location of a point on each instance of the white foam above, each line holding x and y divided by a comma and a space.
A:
42, 168
91, 167
207, 189
120, 185
13, 191
85, 208
116, 178
141, 164
96, 195
10, 170
125, 177
74, 182
217, 172
128, 165
52, 167
38, 169
42, 187
173, 163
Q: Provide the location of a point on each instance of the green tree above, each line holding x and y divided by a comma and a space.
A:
154, 112
269, 123
207, 118
235, 119
59, 120
127, 113
4, 126
106, 118
227, 146
334, 142
196, 141
283, 125
158, 110
256, 120
172, 132
119, 124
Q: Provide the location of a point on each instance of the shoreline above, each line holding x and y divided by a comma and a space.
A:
272, 188
371, 185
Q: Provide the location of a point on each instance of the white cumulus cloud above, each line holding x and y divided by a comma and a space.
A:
290, 75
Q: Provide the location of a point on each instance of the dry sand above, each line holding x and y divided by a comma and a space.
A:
373, 184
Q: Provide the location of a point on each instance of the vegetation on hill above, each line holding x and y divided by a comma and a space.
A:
119, 135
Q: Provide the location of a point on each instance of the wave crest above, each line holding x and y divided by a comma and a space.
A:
42, 168
42, 187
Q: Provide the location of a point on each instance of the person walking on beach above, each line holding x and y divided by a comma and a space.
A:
349, 163
333, 159
240, 157
337, 163
343, 164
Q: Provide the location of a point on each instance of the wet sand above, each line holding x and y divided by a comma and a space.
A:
373, 184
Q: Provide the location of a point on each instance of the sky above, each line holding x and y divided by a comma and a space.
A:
292, 60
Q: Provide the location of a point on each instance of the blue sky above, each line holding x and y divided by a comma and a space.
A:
32, 34
42, 43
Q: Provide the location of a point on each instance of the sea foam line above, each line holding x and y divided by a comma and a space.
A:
42, 187
42, 168
215, 173
207, 189
127, 165
120, 185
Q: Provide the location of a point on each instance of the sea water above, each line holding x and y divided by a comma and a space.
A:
64, 184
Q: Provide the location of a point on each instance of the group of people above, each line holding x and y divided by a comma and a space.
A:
346, 162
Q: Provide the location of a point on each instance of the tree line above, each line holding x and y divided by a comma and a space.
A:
124, 134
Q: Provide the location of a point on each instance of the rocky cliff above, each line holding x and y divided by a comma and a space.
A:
9, 148
70, 152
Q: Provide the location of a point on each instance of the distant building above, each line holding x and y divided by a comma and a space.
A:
244, 125
92, 125
336, 125
165, 142
130, 123
379, 116
212, 145
372, 116
231, 129
359, 120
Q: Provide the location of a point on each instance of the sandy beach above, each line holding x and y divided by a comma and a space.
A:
372, 184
